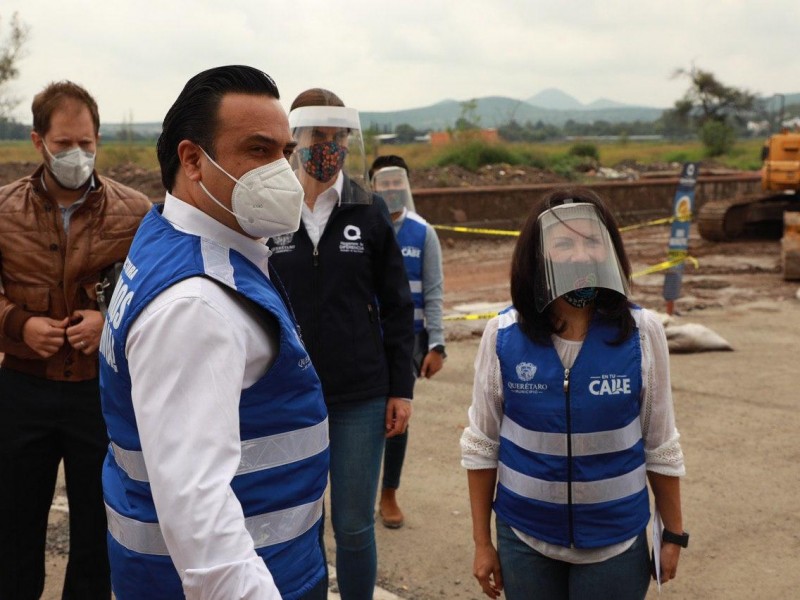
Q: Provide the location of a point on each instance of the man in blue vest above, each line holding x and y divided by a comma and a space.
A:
218, 459
422, 257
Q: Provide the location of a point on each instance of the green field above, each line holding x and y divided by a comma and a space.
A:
745, 154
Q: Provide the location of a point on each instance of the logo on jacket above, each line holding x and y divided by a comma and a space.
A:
352, 233
283, 240
353, 245
411, 252
526, 371
610, 385
282, 243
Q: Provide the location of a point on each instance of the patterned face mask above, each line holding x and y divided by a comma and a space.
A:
323, 160
581, 297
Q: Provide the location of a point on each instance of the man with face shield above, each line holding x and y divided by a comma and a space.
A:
571, 418
218, 462
422, 256
60, 229
344, 273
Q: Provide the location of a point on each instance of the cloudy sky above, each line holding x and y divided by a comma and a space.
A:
135, 55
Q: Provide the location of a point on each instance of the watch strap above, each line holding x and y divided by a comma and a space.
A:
670, 537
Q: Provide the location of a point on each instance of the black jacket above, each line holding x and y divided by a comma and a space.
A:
352, 299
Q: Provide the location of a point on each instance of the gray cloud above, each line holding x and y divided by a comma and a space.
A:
136, 56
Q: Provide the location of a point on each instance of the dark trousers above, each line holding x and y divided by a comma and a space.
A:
394, 456
41, 423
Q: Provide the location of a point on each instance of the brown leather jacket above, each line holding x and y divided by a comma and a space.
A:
45, 273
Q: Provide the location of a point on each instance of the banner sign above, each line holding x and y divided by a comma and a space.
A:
682, 211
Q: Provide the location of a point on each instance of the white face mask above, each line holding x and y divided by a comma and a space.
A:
266, 201
71, 168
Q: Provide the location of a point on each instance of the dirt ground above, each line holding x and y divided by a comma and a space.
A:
737, 413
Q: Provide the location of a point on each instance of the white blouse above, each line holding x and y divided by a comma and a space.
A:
480, 441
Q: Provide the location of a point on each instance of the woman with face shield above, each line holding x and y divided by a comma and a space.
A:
571, 418
344, 274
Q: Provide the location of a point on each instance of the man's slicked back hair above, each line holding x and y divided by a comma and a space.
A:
193, 116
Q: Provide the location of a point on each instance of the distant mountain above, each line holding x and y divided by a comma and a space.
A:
555, 99
494, 111
146, 130
602, 103
773, 103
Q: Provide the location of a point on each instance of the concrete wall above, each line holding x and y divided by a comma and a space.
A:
505, 207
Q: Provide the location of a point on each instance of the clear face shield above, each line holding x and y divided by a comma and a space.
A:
392, 184
328, 141
576, 256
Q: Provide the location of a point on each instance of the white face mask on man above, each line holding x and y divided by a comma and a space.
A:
266, 201
71, 168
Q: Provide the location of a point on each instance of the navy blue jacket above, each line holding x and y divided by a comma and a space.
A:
352, 299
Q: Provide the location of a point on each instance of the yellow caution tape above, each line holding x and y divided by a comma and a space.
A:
662, 266
667, 264
664, 221
508, 232
477, 230
489, 315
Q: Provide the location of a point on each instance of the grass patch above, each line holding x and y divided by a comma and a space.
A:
744, 155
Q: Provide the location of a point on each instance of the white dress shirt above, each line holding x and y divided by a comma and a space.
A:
316, 219
190, 352
480, 441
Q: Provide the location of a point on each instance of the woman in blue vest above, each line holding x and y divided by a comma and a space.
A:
571, 417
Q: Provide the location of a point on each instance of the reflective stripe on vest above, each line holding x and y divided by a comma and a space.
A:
583, 492
266, 530
411, 239
257, 454
583, 444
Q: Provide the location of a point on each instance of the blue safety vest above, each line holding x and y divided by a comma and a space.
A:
411, 239
571, 468
283, 471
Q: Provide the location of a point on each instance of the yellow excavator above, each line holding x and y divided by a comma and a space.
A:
759, 215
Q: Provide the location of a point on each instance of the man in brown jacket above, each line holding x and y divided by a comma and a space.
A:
60, 230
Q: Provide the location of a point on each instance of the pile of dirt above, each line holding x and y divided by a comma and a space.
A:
11, 171
453, 176
147, 182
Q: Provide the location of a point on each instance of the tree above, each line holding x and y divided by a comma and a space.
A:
405, 133
11, 50
718, 138
469, 117
709, 99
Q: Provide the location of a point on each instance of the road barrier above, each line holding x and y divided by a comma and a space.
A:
501, 208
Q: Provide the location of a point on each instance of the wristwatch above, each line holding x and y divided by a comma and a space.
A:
440, 349
670, 537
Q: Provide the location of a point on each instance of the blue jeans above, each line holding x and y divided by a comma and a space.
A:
356, 447
529, 575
